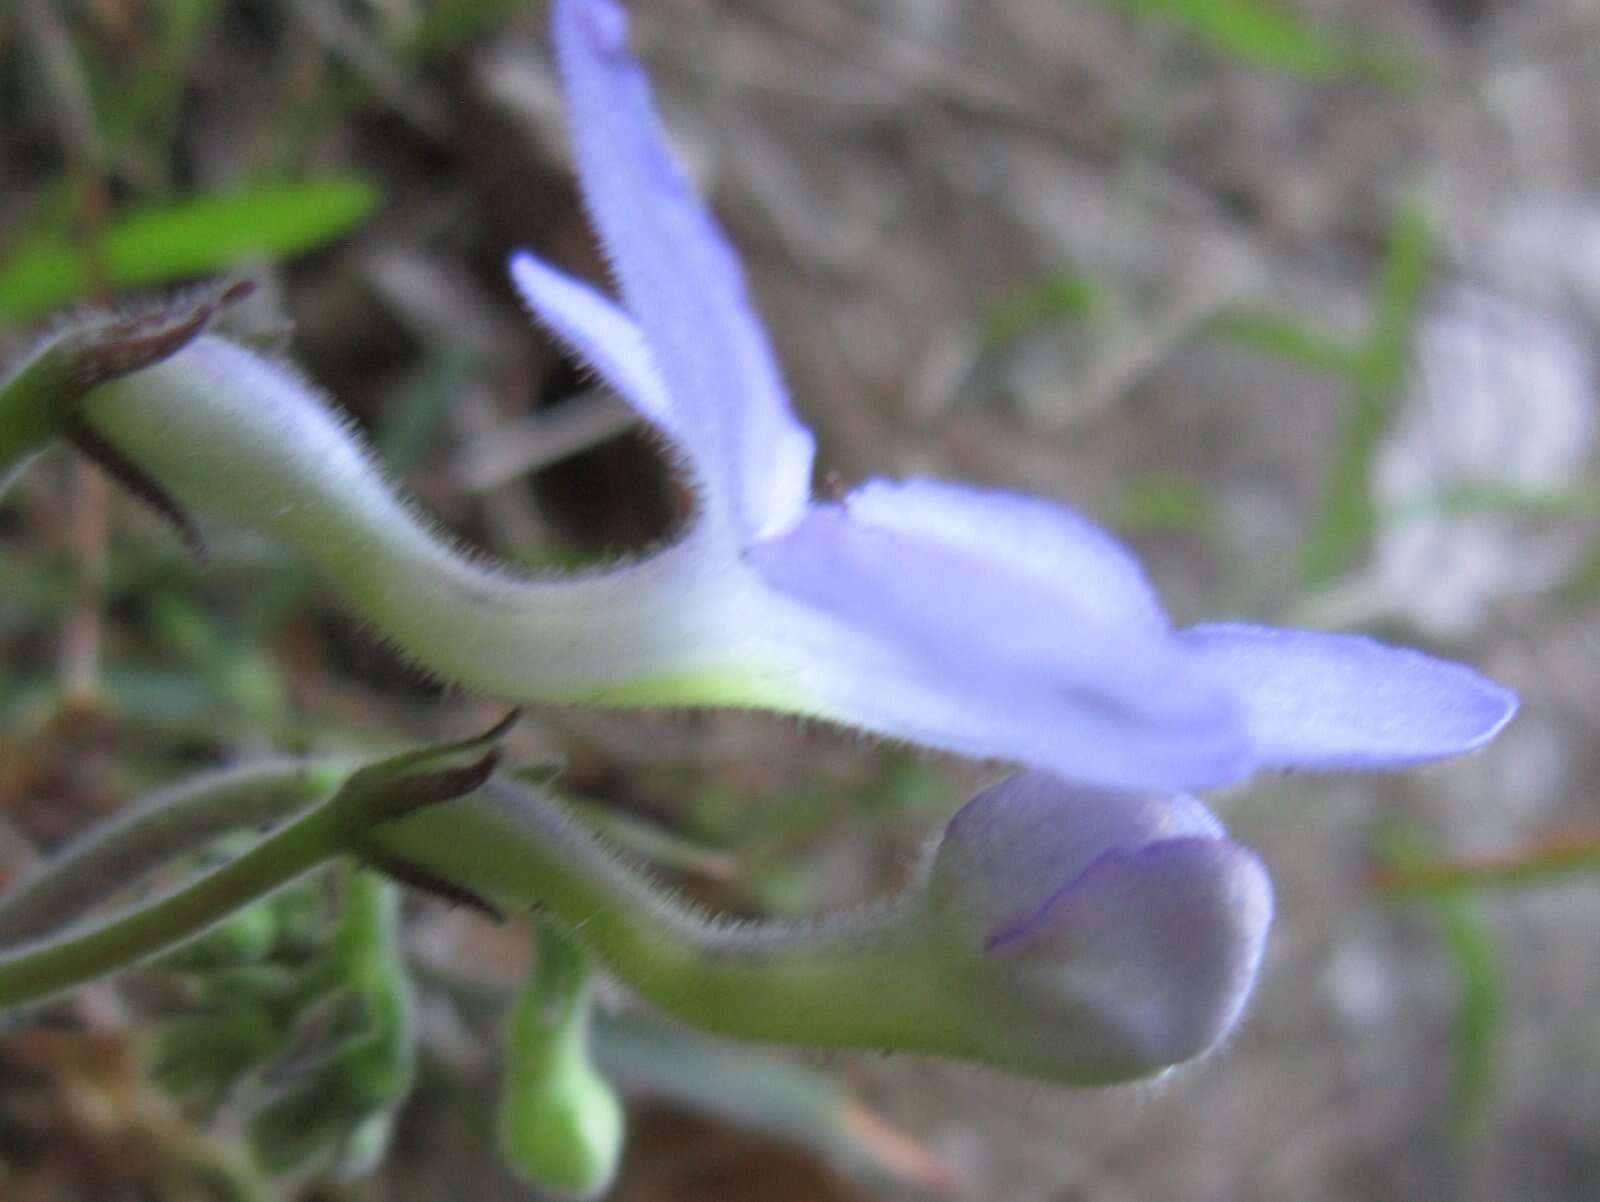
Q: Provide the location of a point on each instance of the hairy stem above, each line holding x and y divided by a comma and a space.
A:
168, 824
38, 970
868, 979
859, 980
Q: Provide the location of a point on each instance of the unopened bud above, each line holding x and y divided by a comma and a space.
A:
1104, 936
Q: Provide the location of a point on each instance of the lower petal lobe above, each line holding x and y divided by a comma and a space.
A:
1317, 700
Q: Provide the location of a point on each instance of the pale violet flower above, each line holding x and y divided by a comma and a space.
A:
980, 622
1085, 920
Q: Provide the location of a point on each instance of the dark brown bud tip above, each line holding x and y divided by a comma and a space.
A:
123, 345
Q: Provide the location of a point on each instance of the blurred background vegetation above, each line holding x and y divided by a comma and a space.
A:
1300, 295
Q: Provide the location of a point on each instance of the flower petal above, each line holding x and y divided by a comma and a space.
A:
942, 647
596, 332
1338, 701
1145, 961
1032, 537
680, 280
1007, 853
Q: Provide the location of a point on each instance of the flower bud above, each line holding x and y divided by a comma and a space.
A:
1100, 936
561, 1125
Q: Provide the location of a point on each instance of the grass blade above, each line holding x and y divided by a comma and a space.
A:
1266, 35
199, 235
1347, 515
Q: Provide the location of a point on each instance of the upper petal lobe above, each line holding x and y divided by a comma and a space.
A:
680, 281
599, 334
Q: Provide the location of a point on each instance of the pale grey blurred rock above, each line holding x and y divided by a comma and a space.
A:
1502, 399
1547, 248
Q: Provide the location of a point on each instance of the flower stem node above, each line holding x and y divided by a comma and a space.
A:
43, 399
403, 785
1099, 936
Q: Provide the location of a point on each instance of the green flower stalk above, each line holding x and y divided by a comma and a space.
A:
1085, 921
1071, 935
1078, 936
163, 827
49, 961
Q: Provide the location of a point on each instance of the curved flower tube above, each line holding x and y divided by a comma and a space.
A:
978, 622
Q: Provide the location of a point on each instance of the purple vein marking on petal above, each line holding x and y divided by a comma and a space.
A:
1318, 700
1009, 935
679, 279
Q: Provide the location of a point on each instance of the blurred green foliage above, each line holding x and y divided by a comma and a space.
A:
1479, 1021
1261, 33
760, 1091
179, 239
1347, 515
145, 107
1479, 1025
1062, 296
1374, 370
1283, 338
444, 24
1544, 863
1154, 502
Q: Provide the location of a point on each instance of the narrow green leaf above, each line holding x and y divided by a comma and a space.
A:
1472, 952
1575, 854
1473, 956
1263, 34
1064, 296
1282, 338
1068, 297
1491, 496
1347, 514
198, 235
